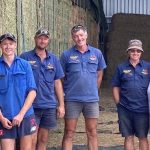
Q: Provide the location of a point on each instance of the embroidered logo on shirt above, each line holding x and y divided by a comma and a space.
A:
126, 71
93, 57
1, 132
32, 62
73, 57
50, 66
145, 71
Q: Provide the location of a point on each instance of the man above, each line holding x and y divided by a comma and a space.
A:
48, 73
17, 92
130, 83
83, 66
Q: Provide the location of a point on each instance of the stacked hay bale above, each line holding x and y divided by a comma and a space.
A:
124, 28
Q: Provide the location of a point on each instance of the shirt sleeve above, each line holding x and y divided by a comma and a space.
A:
59, 70
101, 62
63, 61
116, 78
31, 85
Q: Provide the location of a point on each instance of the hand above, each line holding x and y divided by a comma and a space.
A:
60, 112
17, 120
6, 123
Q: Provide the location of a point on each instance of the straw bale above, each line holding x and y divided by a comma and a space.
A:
124, 28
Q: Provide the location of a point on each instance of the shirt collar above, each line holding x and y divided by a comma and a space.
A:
47, 53
2, 58
88, 48
140, 63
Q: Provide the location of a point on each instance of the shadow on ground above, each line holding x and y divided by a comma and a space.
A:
83, 147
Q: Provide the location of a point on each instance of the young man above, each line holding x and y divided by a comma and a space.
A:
130, 83
83, 66
17, 92
48, 73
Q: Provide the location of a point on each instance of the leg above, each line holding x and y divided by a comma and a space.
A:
26, 142
129, 143
91, 126
8, 144
34, 140
70, 126
143, 144
42, 139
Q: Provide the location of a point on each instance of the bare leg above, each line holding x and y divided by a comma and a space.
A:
70, 126
143, 144
42, 138
8, 144
91, 126
129, 143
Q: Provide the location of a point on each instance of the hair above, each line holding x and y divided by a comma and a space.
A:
76, 28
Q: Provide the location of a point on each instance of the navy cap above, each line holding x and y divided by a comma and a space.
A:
42, 31
7, 36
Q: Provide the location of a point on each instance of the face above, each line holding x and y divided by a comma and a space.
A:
80, 38
135, 54
41, 42
8, 47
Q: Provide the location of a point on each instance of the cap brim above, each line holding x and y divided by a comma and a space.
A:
42, 34
135, 47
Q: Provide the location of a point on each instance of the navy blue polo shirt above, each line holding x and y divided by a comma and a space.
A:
45, 73
15, 83
133, 83
80, 82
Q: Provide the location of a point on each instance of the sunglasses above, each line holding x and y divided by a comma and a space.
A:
77, 28
42, 32
137, 51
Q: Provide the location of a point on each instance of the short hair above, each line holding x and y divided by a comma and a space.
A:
78, 27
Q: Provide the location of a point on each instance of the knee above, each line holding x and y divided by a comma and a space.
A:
69, 134
43, 139
91, 133
129, 139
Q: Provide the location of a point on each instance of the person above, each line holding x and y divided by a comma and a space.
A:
17, 93
130, 83
48, 72
83, 67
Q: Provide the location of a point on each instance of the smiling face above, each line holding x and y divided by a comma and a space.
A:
80, 38
135, 54
8, 47
41, 42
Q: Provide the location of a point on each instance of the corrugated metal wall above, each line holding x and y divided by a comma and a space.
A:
126, 6
23, 17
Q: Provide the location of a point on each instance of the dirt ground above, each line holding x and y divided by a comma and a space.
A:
108, 133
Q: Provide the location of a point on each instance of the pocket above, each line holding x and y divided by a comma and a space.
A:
19, 78
3, 83
74, 66
49, 75
92, 65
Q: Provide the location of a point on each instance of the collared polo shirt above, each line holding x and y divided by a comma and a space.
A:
45, 73
80, 82
133, 83
15, 83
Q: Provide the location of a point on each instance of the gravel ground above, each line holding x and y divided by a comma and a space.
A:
108, 133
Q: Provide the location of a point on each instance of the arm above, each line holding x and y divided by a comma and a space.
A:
116, 94
99, 78
28, 102
60, 97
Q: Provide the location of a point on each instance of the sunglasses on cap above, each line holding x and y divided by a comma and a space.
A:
77, 28
42, 32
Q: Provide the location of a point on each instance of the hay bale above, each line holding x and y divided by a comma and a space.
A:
124, 28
